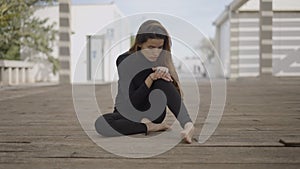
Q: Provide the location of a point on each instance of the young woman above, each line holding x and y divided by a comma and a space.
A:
152, 47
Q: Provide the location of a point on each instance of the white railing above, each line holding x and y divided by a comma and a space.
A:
15, 72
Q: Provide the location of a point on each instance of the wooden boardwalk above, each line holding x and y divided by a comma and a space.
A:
39, 129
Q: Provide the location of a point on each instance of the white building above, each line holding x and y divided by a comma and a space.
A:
237, 36
92, 36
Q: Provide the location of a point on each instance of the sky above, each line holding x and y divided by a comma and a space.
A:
200, 13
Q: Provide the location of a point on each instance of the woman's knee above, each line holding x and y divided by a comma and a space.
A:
162, 84
168, 88
100, 125
104, 128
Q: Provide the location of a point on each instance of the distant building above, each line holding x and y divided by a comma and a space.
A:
190, 67
237, 36
91, 55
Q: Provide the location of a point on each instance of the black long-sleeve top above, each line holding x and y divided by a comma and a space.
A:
132, 100
138, 91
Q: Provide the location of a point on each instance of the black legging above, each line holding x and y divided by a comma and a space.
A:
114, 124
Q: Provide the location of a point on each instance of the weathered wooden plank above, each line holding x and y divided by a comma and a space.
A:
184, 154
136, 163
291, 141
42, 131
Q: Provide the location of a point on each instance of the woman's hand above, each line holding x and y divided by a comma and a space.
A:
161, 72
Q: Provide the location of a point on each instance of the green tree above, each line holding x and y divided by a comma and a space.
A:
20, 29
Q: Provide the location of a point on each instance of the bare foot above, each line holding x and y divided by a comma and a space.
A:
151, 127
187, 132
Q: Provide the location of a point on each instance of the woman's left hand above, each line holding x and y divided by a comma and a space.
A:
161, 72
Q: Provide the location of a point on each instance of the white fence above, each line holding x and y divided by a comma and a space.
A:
15, 72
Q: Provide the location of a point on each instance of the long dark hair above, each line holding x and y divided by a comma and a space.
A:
152, 29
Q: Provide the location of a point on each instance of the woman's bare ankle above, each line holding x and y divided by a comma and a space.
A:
188, 132
152, 127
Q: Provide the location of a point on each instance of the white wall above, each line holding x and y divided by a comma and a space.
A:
90, 20
224, 48
278, 5
286, 44
42, 70
286, 39
248, 44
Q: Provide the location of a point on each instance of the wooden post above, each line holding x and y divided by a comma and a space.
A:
15, 75
23, 75
234, 50
64, 40
265, 37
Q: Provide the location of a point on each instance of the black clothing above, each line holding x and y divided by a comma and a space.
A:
126, 120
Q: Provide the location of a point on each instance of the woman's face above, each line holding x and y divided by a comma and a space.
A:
152, 48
